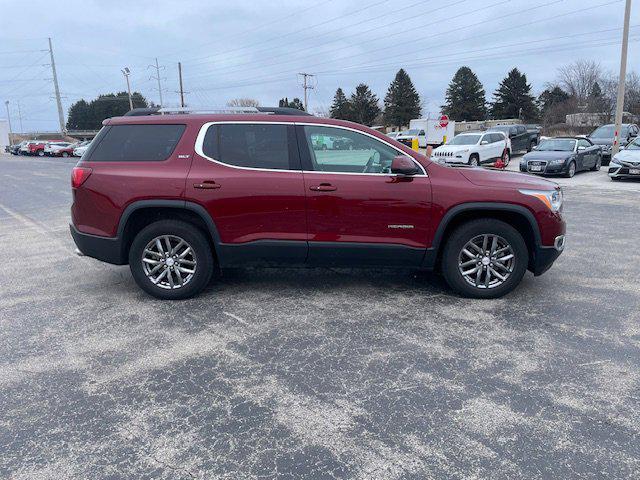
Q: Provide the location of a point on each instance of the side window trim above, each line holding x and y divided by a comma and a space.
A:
294, 152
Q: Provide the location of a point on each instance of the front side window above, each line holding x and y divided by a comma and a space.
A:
136, 143
249, 145
346, 151
584, 143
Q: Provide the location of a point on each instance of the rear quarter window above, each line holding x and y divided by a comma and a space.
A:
136, 143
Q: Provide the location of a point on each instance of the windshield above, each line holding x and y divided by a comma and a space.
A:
607, 131
465, 140
557, 145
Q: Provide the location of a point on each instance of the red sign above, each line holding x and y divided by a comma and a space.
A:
444, 121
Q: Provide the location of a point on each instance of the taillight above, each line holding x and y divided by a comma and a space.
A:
79, 175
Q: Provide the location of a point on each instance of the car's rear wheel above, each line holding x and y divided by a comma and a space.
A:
474, 161
41, 153
598, 164
484, 258
532, 144
171, 260
65, 154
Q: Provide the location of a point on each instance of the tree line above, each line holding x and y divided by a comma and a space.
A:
582, 86
85, 115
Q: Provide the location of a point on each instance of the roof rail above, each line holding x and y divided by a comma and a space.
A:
136, 112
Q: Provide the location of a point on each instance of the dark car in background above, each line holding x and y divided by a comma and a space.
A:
521, 138
603, 136
562, 156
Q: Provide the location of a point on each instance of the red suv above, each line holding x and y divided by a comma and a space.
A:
177, 195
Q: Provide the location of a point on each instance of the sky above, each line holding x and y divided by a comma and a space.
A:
256, 49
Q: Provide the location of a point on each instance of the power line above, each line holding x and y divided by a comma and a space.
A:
315, 6
359, 10
493, 32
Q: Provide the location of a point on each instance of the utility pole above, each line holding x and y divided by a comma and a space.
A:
6, 104
63, 129
306, 86
126, 72
181, 88
157, 77
20, 117
621, 81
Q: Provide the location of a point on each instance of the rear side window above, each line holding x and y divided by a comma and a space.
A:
136, 143
249, 145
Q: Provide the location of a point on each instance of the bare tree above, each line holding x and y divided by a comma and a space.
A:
579, 77
243, 102
631, 93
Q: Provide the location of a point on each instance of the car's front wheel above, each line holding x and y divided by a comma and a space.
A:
474, 161
171, 260
484, 258
571, 170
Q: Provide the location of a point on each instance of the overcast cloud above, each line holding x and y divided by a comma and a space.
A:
254, 49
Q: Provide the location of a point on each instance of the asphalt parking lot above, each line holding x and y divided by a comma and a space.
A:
317, 373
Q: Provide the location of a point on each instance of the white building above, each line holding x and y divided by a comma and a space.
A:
4, 134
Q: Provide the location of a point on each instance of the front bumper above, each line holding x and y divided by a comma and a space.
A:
106, 249
546, 168
543, 257
624, 170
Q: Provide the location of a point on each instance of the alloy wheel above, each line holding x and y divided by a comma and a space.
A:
486, 261
169, 262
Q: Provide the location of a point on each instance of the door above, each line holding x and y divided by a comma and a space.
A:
485, 148
358, 212
422, 139
520, 139
248, 177
586, 155
498, 143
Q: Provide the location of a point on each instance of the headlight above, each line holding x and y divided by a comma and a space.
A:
551, 198
559, 161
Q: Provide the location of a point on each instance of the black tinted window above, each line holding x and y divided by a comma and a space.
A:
136, 143
246, 145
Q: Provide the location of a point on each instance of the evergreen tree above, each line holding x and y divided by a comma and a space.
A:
295, 103
550, 98
596, 102
513, 98
89, 116
465, 97
364, 105
79, 117
402, 102
340, 108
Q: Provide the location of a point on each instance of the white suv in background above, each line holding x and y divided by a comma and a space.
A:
474, 148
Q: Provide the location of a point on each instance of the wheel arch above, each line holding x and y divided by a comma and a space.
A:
517, 216
139, 214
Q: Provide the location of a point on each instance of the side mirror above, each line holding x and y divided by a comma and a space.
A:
402, 165
484, 142
535, 147
581, 147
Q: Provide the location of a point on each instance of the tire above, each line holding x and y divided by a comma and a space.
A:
200, 260
65, 154
474, 160
41, 153
531, 145
453, 257
571, 170
508, 159
598, 164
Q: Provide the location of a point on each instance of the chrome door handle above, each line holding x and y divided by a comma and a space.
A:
323, 187
207, 185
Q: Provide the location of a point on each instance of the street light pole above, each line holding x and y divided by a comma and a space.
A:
126, 72
621, 80
6, 104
